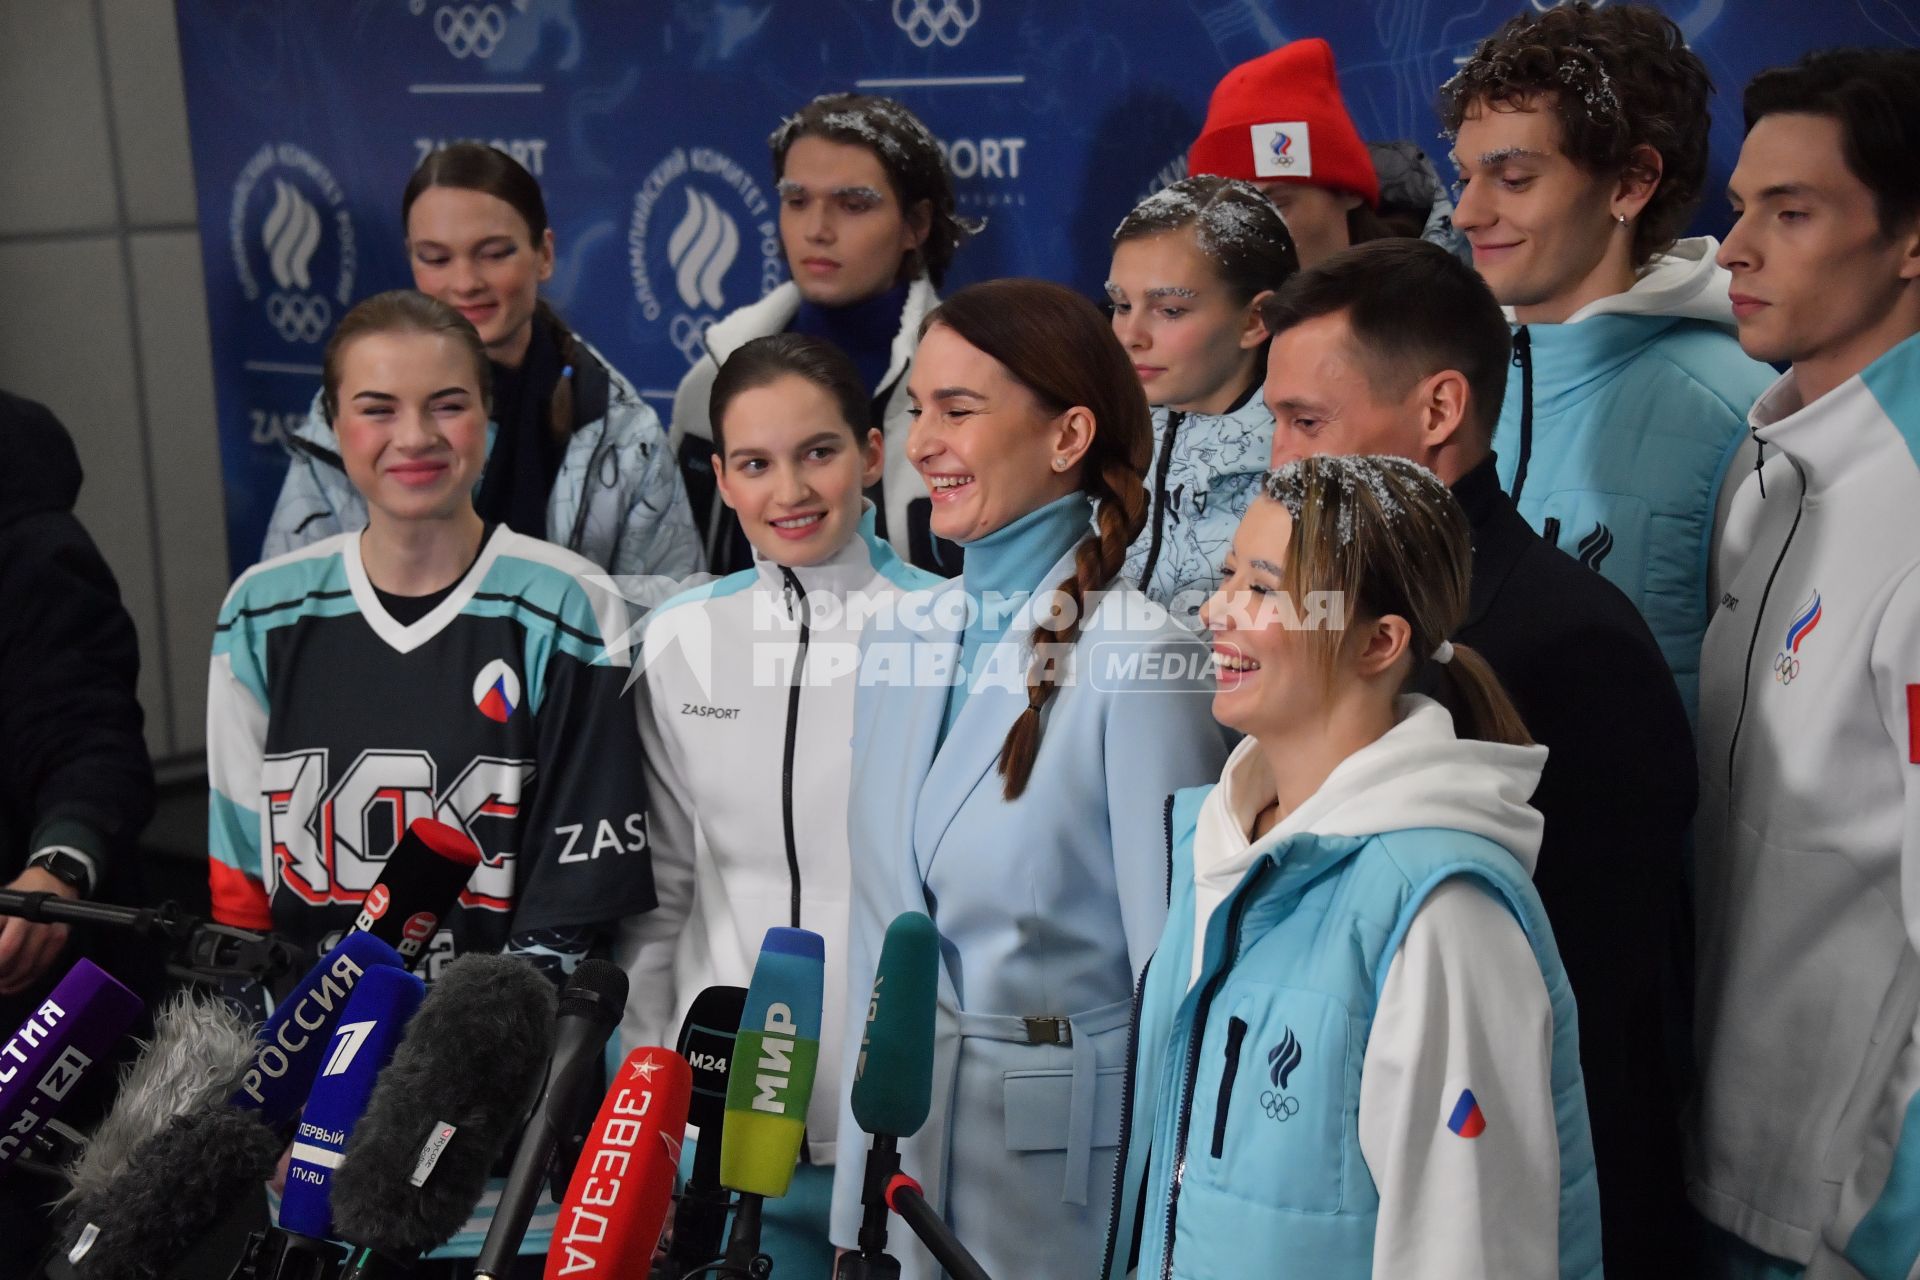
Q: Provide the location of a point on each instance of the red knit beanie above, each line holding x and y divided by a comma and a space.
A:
1280, 118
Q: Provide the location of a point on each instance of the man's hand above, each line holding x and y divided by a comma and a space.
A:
26, 948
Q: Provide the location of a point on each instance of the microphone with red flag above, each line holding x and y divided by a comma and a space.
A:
616, 1206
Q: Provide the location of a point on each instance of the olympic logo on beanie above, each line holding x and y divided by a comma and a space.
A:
1281, 117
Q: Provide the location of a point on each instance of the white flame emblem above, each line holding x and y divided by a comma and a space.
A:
291, 235
701, 250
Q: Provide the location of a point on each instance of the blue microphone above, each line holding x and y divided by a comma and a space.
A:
298, 1038
371, 1026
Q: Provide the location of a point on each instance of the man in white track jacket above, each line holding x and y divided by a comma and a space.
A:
1806, 1145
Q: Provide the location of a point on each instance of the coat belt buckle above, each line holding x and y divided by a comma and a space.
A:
1047, 1028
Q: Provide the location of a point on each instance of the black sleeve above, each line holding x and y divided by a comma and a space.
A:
587, 858
77, 763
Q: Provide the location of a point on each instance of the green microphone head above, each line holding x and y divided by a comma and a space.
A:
893, 1079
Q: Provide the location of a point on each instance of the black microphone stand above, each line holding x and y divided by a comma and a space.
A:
743, 1257
873, 1262
206, 952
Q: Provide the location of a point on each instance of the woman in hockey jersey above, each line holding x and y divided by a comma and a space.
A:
1191, 265
573, 454
749, 697
1355, 1044
431, 665
1014, 734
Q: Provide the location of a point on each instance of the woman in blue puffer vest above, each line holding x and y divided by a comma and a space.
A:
1191, 266
1355, 1051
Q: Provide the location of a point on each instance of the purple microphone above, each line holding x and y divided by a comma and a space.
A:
76, 1026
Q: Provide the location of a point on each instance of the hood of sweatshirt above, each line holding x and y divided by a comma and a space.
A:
43, 472
1418, 774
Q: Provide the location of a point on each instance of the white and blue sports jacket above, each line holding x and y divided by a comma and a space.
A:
746, 713
1806, 1141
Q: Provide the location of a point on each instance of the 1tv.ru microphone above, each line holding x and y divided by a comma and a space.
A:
707, 1042
371, 1026
75, 1026
614, 1209
770, 1082
419, 887
893, 1077
590, 1008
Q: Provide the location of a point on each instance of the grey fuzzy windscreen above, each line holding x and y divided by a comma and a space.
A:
176, 1185
472, 1059
201, 1048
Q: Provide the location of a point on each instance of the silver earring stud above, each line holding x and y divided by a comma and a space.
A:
1621, 218
1059, 464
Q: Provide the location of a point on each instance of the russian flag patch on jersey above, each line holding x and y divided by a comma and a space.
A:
1913, 724
1467, 1120
496, 691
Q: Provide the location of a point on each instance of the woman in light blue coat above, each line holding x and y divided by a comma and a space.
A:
1015, 738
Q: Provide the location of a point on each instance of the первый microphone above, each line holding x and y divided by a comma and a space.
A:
770, 1081
893, 1076
590, 1008
371, 1026
614, 1209
74, 1027
706, 1042
442, 1112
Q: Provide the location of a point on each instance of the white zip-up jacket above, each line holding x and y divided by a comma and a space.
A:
748, 772
900, 484
1806, 1143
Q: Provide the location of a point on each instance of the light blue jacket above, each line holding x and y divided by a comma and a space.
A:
1242, 1143
1046, 907
618, 499
1205, 474
1617, 432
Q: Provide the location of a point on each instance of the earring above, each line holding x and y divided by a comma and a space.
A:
1059, 464
1620, 218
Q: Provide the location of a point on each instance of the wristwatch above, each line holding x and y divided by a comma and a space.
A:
69, 866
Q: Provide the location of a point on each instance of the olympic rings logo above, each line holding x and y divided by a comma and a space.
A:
1786, 667
1279, 1106
689, 335
299, 317
470, 29
924, 21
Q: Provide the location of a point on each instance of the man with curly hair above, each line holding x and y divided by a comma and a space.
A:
1580, 135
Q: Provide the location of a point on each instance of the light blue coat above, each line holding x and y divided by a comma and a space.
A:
1617, 432
1048, 905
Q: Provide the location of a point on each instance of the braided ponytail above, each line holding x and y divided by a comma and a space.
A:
1060, 347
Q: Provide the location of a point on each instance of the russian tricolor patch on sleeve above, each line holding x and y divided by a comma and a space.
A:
1467, 1120
1913, 724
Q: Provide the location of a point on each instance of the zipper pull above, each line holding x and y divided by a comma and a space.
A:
1759, 459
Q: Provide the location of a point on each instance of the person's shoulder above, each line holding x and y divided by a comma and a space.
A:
1552, 611
1705, 358
282, 590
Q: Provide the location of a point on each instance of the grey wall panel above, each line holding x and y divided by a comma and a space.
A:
53, 143
149, 111
170, 312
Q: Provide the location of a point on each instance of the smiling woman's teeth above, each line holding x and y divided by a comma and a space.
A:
797, 522
1227, 662
951, 482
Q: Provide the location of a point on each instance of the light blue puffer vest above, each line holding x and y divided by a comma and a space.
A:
1264, 1108
1614, 437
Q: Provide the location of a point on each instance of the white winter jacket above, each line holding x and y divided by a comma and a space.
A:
1809, 836
747, 775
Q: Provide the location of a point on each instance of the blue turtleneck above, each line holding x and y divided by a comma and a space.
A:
864, 330
1006, 563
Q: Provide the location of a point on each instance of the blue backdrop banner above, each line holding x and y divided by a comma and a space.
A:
646, 123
